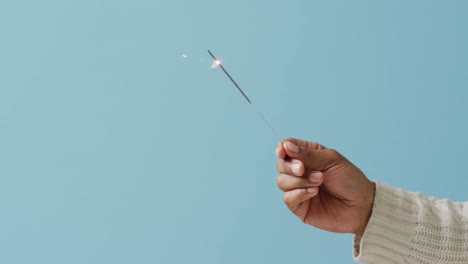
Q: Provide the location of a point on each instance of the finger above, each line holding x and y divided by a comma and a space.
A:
315, 177
305, 144
293, 167
280, 152
287, 182
294, 198
314, 159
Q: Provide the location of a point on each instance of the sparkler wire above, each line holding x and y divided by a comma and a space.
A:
218, 63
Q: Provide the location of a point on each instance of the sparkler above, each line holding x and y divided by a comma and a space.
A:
217, 63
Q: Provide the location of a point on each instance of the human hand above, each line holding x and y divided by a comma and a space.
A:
323, 188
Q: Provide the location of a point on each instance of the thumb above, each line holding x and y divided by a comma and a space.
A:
313, 155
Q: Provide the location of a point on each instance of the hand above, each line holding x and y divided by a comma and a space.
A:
323, 188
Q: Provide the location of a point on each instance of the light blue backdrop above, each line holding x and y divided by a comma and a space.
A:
116, 149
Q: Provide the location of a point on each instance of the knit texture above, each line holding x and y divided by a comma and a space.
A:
408, 227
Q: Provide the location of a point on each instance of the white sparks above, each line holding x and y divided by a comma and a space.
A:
185, 56
215, 64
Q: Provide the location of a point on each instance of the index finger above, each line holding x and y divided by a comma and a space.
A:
313, 159
281, 152
305, 144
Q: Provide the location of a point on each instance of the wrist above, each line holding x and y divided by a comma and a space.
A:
367, 209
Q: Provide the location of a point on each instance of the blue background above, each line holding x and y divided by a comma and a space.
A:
116, 149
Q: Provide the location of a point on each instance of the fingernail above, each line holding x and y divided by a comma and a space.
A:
312, 190
291, 147
315, 177
296, 168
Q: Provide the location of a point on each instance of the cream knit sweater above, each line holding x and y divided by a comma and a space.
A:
407, 227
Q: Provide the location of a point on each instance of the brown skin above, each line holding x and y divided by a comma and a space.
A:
323, 188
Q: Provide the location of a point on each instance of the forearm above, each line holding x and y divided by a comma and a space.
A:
408, 227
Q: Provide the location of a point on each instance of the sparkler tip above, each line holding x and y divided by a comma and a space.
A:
216, 63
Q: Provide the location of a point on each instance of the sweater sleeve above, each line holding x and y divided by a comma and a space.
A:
407, 227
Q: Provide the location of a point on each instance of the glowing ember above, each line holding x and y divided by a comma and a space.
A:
215, 63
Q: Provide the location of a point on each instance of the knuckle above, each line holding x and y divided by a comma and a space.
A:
279, 165
283, 182
290, 197
280, 182
333, 153
311, 145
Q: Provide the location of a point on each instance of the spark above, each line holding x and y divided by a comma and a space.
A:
216, 63
185, 56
